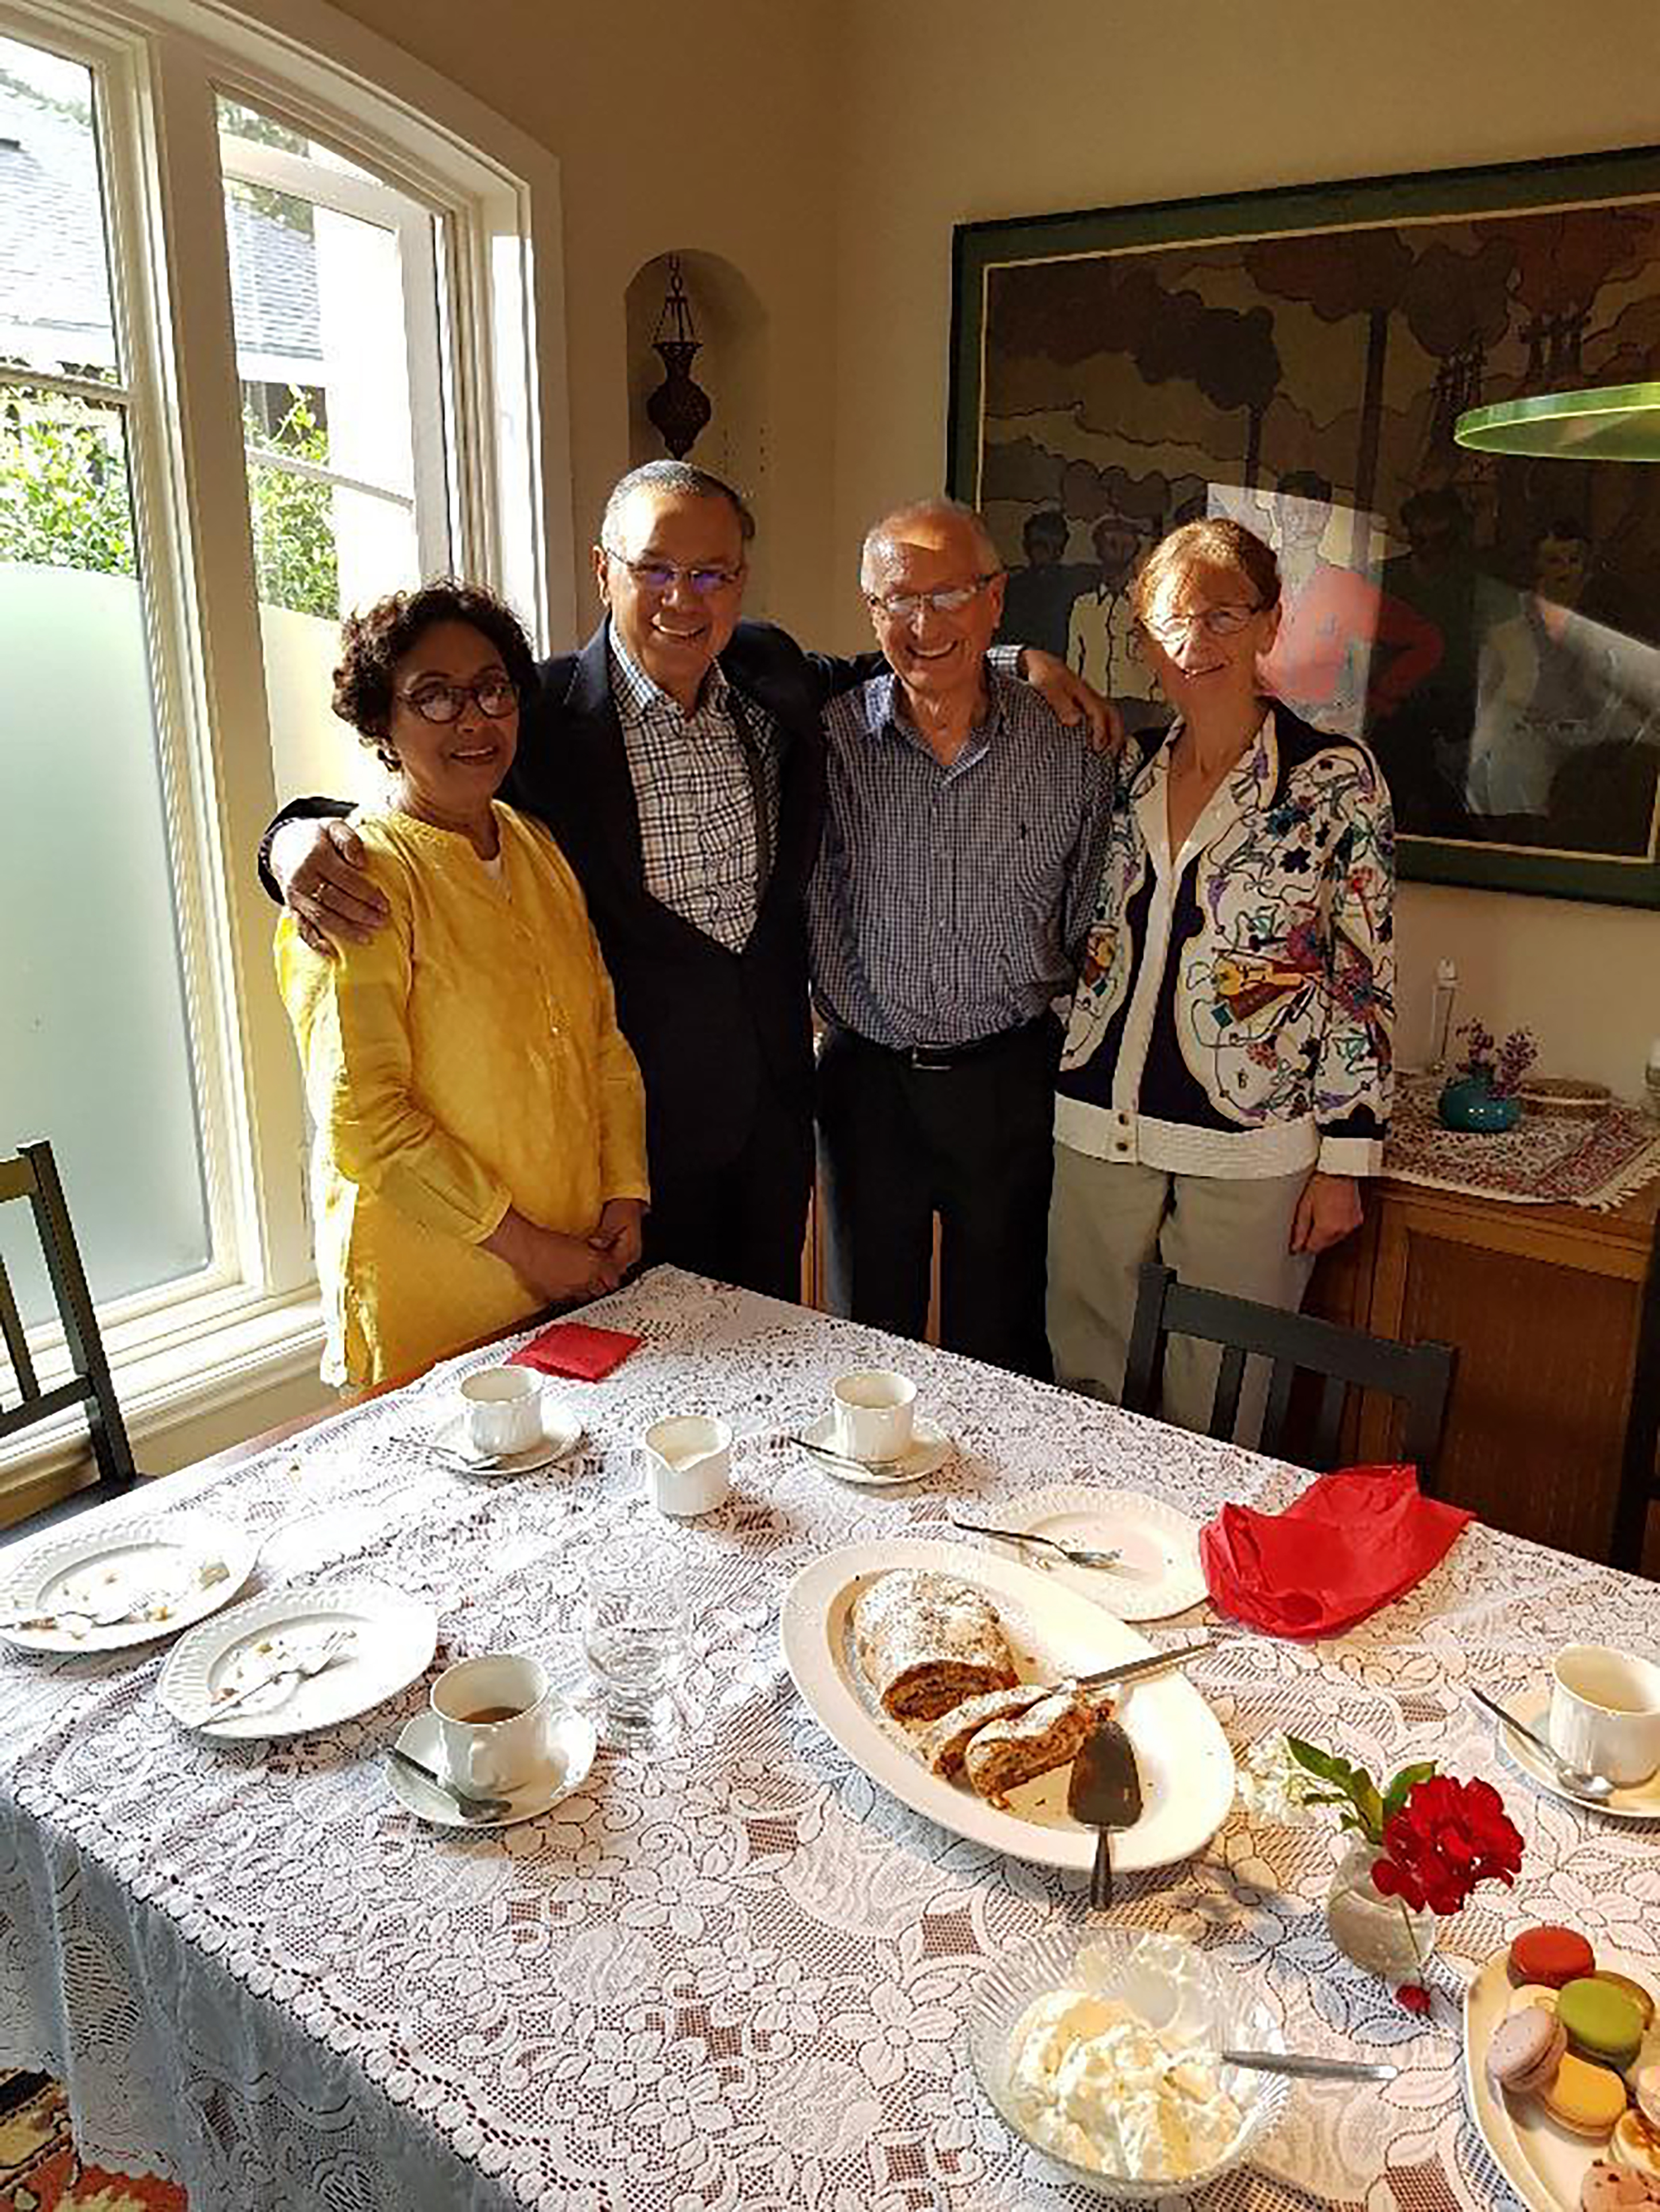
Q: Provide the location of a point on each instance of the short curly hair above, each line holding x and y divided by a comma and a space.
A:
374, 639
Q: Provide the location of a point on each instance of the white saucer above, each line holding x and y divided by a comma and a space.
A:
393, 1638
574, 1747
1157, 1571
929, 1447
1641, 1802
562, 1432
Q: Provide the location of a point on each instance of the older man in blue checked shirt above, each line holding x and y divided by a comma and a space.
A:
962, 848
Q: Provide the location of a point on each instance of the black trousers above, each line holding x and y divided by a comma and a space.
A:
973, 1142
746, 1221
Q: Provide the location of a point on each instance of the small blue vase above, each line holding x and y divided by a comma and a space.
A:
1467, 1102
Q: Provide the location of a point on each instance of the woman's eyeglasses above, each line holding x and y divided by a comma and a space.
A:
494, 695
1214, 621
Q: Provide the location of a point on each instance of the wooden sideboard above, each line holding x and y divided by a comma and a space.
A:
1542, 1302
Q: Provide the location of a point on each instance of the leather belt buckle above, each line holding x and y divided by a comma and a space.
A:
933, 1059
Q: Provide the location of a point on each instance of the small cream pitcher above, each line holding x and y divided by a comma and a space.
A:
688, 1464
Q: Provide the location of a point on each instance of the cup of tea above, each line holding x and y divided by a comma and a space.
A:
494, 1717
504, 1409
1605, 1711
874, 1407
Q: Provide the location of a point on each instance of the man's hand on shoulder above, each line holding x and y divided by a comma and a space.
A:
321, 870
1072, 700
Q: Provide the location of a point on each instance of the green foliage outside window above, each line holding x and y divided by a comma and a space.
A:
63, 500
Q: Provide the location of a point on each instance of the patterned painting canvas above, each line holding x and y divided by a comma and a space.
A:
1298, 360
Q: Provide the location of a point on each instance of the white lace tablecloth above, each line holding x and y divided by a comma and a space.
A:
733, 1978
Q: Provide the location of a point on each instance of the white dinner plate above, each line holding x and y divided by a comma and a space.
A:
1543, 2163
562, 1432
393, 1638
1641, 1802
1186, 1766
1158, 1572
929, 1447
100, 1561
573, 1745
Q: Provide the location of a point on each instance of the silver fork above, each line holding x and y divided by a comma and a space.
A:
113, 1614
1075, 1555
333, 1647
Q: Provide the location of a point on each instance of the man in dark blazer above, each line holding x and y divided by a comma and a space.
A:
721, 1028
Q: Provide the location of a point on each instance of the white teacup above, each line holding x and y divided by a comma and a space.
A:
874, 1407
504, 1408
494, 1717
1605, 1711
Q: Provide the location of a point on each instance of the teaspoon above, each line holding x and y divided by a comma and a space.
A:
1594, 1788
1310, 2069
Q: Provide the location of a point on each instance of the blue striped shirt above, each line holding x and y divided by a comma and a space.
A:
950, 903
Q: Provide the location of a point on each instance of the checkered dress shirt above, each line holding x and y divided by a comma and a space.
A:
950, 904
706, 785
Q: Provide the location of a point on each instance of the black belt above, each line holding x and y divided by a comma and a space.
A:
935, 1058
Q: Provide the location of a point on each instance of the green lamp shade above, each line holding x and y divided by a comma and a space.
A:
1620, 422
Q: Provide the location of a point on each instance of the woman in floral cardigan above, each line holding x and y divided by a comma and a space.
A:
1226, 1076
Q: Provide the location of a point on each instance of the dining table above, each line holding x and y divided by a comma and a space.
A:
730, 1972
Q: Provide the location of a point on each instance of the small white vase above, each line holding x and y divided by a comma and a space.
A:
1377, 1932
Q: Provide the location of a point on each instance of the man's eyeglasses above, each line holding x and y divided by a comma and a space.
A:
663, 576
903, 606
1215, 622
494, 695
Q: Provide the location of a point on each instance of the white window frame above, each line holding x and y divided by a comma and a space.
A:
252, 1318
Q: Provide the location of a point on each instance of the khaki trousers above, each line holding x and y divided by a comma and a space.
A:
1219, 1233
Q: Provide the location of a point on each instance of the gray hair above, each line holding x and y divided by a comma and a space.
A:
940, 509
675, 476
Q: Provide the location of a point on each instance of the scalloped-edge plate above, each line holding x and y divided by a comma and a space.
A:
394, 1638
1185, 1764
1159, 1573
1542, 2162
105, 1553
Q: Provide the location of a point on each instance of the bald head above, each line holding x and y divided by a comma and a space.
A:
934, 583
936, 525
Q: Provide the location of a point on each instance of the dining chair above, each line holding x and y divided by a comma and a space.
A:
32, 1174
1637, 1485
1419, 1375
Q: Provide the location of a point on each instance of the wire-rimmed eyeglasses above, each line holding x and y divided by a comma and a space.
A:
1215, 622
903, 606
663, 576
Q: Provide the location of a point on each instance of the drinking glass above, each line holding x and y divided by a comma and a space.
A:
637, 1623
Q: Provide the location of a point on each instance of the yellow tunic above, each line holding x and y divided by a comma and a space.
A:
467, 1058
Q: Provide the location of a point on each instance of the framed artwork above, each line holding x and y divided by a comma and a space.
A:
1297, 359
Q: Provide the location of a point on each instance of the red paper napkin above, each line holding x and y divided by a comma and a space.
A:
1352, 1542
572, 1347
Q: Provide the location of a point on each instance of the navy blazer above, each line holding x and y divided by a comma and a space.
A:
704, 1022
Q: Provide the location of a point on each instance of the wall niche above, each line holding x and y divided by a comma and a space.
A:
730, 365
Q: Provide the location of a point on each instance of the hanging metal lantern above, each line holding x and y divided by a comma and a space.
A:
679, 408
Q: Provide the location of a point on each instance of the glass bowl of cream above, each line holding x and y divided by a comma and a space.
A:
1101, 2049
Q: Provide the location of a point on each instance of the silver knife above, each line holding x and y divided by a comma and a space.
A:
1309, 2068
1131, 1669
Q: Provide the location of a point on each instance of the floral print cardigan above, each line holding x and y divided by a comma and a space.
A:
1234, 1011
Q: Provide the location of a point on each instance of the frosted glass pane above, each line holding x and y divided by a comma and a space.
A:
54, 270
93, 1048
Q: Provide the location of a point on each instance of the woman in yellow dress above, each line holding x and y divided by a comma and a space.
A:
480, 1119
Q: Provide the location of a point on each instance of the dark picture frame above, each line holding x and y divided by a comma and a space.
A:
1297, 357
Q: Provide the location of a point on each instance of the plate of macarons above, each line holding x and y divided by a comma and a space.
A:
1562, 2071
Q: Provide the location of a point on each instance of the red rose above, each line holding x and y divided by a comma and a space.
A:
1447, 1837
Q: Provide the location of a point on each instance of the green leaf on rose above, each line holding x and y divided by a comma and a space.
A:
1403, 1786
1356, 1789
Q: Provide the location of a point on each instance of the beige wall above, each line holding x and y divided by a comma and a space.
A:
674, 127
1098, 102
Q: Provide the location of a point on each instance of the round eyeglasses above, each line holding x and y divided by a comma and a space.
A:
1214, 621
903, 606
494, 695
663, 576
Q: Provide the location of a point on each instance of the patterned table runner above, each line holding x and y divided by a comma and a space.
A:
1591, 1160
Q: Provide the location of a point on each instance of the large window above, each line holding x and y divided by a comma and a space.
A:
267, 350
